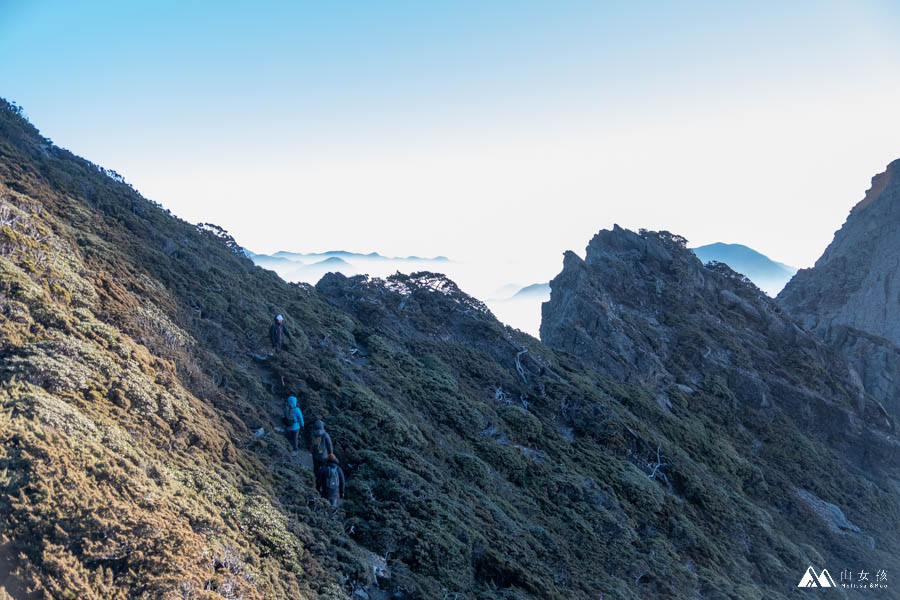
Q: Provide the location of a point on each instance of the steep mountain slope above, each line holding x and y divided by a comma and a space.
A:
851, 297
643, 309
768, 275
128, 466
480, 463
855, 281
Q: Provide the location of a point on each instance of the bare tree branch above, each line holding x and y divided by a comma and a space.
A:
519, 364
655, 467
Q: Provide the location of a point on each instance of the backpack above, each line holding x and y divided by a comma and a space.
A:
333, 480
289, 420
318, 447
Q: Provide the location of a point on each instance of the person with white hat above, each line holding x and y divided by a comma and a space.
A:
277, 334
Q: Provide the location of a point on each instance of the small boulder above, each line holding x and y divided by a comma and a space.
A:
832, 514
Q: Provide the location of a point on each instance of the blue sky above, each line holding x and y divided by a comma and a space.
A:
515, 129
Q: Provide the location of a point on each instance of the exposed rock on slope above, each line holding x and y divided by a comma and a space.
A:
851, 297
643, 309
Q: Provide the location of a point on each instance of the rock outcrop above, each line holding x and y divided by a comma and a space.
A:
851, 297
644, 310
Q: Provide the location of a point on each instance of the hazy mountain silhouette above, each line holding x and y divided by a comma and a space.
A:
505, 292
334, 261
535, 290
768, 275
372, 256
520, 307
514, 305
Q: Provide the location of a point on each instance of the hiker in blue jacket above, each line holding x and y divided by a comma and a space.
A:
293, 421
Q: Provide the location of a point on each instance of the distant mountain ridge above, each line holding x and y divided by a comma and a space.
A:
535, 289
333, 261
770, 276
345, 254
521, 306
513, 304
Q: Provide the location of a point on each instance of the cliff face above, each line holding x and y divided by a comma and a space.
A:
856, 282
851, 297
480, 463
644, 309
641, 308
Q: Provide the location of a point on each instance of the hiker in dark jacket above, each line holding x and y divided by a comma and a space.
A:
319, 445
293, 422
278, 332
330, 480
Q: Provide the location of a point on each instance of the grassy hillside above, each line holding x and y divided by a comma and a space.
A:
131, 388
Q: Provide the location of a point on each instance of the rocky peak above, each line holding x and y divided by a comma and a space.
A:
851, 297
880, 183
619, 307
619, 241
854, 282
643, 309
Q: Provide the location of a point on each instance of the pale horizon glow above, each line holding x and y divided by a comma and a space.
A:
513, 132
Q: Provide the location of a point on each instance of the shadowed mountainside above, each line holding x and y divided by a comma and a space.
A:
480, 463
642, 308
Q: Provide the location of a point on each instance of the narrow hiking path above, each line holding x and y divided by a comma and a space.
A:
275, 406
328, 518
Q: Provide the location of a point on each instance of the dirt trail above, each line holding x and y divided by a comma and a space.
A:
270, 380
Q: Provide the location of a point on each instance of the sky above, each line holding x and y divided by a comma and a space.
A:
509, 130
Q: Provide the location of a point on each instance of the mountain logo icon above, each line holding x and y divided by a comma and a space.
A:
811, 580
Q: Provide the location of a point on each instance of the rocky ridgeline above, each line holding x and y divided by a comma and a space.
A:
644, 310
851, 297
